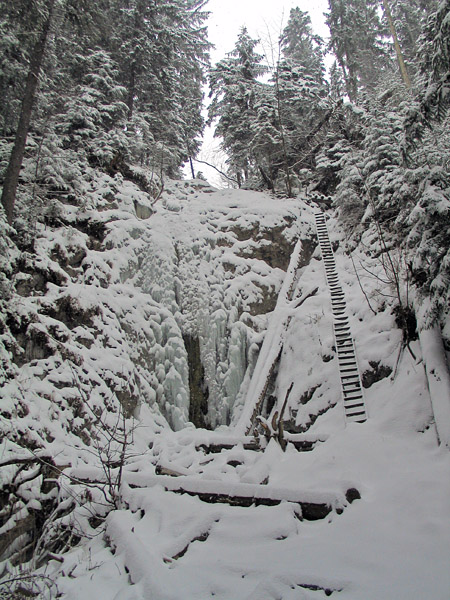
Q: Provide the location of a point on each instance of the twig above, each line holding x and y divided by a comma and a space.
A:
21, 461
218, 170
280, 434
303, 299
361, 286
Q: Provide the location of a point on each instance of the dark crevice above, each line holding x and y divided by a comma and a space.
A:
198, 390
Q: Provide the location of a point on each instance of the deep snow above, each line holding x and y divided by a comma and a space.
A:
195, 266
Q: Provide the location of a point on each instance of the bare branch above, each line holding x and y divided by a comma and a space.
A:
203, 162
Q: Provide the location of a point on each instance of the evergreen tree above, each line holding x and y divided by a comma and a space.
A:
13, 67
434, 99
40, 28
234, 87
337, 84
409, 18
300, 46
15, 161
398, 50
270, 128
357, 38
148, 54
266, 136
436, 59
162, 50
93, 117
300, 94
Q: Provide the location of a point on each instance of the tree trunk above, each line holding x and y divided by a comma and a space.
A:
16, 158
438, 378
192, 167
131, 89
401, 62
350, 78
283, 138
267, 180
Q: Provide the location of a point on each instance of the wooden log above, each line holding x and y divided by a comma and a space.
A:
312, 505
217, 448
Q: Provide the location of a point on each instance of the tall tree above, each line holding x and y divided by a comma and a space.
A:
49, 34
162, 51
398, 50
287, 131
409, 17
155, 52
301, 46
301, 85
434, 99
15, 162
234, 86
357, 40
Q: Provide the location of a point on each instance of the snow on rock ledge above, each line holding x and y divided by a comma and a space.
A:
102, 324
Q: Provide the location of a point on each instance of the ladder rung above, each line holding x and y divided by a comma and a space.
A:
352, 383
359, 406
356, 414
351, 391
351, 398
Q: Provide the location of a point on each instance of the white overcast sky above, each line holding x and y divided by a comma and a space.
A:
228, 16
262, 18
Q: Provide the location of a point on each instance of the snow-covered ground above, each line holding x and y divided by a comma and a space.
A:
200, 265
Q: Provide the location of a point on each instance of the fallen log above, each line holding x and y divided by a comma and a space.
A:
313, 505
217, 448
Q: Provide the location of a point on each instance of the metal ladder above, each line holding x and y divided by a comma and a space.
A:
352, 391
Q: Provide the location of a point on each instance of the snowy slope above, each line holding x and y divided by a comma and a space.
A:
200, 265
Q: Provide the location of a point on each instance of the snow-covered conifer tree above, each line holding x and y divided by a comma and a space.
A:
234, 88
357, 40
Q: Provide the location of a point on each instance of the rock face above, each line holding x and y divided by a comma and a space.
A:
377, 372
124, 305
216, 260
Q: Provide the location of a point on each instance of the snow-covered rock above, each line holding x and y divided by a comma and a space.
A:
121, 307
